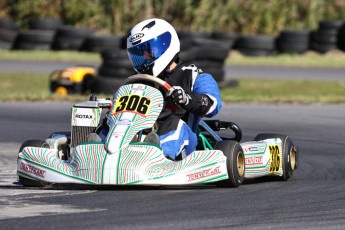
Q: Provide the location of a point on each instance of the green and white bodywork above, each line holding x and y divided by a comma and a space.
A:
119, 160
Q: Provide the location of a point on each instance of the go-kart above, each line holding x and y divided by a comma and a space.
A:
124, 158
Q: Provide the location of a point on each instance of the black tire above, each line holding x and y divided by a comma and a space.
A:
255, 52
292, 47
87, 83
68, 31
294, 36
289, 153
118, 63
106, 85
324, 37
234, 163
8, 35
67, 43
331, 24
34, 39
41, 36
32, 46
212, 53
211, 43
293, 41
44, 23
9, 25
113, 53
323, 47
99, 43
26, 182
258, 42
115, 72
188, 55
6, 45
230, 38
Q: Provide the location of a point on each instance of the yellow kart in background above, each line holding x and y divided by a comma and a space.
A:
73, 80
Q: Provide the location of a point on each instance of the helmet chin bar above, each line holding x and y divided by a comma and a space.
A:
147, 70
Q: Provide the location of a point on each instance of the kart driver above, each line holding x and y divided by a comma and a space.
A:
153, 47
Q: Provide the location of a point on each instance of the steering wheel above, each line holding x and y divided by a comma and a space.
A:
163, 84
145, 77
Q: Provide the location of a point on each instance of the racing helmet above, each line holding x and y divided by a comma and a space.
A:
152, 45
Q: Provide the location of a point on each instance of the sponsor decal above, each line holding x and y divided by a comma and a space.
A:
203, 174
253, 160
32, 169
125, 122
138, 88
137, 149
84, 116
136, 37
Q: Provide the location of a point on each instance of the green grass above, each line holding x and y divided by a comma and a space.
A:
333, 59
286, 91
35, 87
29, 87
41, 55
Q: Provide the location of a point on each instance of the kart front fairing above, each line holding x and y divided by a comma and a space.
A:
119, 160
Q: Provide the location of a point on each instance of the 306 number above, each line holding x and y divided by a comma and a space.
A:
134, 103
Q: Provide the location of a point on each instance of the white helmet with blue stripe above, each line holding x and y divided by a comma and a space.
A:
152, 45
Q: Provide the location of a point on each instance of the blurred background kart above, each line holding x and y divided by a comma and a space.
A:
73, 80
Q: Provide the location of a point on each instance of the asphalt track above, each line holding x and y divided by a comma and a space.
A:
312, 199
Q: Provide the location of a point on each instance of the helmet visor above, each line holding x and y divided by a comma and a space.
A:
146, 53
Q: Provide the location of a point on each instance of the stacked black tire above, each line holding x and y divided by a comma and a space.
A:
341, 38
70, 38
8, 34
96, 43
293, 41
256, 45
205, 52
115, 68
325, 38
40, 35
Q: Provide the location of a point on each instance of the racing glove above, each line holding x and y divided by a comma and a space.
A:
178, 95
196, 103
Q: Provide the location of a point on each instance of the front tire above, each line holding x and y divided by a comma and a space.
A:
289, 153
26, 182
234, 163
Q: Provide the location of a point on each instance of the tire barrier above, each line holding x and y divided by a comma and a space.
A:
206, 50
325, 38
256, 45
8, 34
98, 43
328, 36
70, 38
341, 38
206, 53
293, 41
34, 40
114, 69
44, 24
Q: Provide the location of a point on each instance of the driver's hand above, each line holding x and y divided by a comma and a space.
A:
178, 95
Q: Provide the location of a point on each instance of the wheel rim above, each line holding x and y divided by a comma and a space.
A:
292, 156
61, 91
240, 164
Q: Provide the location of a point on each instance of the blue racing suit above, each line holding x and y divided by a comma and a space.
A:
178, 131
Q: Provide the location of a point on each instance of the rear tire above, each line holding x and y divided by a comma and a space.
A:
26, 182
289, 153
234, 163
